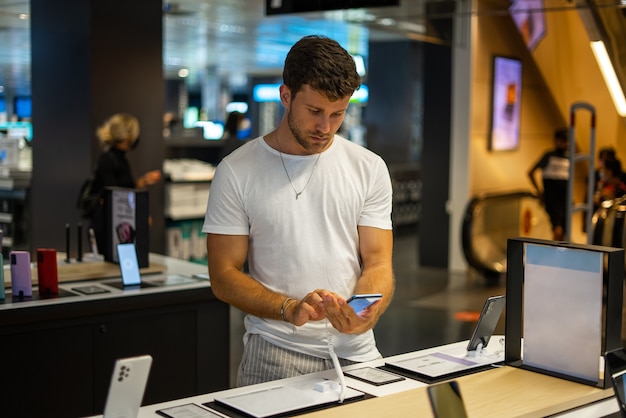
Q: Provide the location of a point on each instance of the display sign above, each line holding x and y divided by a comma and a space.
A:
530, 20
564, 302
506, 104
126, 222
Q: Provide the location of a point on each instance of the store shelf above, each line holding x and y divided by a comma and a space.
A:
407, 193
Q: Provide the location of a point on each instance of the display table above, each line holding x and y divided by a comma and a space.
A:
500, 392
497, 392
58, 352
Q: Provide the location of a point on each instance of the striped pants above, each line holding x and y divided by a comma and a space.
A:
263, 362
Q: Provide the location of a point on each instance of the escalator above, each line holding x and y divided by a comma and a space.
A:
608, 226
490, 220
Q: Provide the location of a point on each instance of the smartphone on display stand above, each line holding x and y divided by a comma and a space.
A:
47, 273
487, 321
21, 278
361, 302
129, 265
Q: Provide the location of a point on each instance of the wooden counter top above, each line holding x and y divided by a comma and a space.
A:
498, 393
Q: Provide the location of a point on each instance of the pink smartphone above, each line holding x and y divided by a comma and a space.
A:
21, 278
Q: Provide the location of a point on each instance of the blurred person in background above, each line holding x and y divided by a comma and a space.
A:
118, 135
554, 167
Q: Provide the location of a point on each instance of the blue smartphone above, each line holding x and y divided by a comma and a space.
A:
360, 302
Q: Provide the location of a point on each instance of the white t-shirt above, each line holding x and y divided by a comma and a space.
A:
299, 245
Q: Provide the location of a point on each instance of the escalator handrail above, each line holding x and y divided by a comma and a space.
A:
466, 228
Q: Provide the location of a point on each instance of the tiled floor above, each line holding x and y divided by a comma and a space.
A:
422, 313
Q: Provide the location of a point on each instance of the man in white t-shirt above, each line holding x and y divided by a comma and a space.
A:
311, 213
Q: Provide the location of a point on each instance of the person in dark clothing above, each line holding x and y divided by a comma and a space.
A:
233, 122
118, 135
554, 166
230, 139
607, 154
610, 186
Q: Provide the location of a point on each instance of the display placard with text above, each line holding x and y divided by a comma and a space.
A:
127, 222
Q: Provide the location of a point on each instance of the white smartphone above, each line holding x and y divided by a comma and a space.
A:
360, 302
128, 383
129, 266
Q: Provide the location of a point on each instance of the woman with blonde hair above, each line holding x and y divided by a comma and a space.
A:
118, 135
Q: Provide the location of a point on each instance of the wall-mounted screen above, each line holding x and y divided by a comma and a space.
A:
564, 308
505, 104
529, 18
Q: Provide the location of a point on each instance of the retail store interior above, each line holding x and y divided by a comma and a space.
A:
459, 98
215, 54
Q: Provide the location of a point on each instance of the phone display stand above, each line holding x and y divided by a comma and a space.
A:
479, 352
482, 352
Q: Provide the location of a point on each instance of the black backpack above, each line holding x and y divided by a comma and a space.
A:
88, 199
87, 202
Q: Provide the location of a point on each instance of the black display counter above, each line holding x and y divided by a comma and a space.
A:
58, 353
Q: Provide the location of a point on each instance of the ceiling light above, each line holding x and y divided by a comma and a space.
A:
386, 21
610, 78
413, 27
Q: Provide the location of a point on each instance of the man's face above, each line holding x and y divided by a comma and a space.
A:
312, 118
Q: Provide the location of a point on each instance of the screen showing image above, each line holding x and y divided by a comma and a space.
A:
529, 18
562, 310
506, 104
129, 266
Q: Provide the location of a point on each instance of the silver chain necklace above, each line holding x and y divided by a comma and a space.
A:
298, 193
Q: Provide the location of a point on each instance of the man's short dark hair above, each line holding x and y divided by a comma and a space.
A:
324, 65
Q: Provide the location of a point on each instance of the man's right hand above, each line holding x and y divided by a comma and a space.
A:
307, 309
